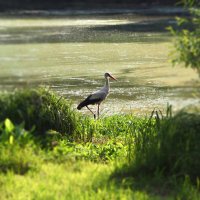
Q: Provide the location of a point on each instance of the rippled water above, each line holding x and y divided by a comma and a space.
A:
70, 54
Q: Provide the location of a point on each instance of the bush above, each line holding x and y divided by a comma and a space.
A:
38, 108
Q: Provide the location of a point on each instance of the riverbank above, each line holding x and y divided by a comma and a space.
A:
153, 10
65, 155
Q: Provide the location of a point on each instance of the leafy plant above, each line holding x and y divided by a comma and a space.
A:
10, 134
187, 43
16, 148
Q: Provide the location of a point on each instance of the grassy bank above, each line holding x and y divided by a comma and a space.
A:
49, 151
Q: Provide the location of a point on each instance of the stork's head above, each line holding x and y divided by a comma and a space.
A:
108, 75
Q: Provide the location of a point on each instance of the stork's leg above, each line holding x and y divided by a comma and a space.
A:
98, 111
91, 112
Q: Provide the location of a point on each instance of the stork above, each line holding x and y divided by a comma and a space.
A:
97, 97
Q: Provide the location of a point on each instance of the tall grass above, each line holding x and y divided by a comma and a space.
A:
166, 146
39, 109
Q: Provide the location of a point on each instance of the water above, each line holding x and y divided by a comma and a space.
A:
70, 53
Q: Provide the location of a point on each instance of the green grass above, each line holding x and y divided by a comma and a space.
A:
170, 148
43, 156
78, 180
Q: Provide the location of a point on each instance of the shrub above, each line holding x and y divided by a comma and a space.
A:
38, 108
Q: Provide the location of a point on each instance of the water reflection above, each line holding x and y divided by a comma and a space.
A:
127, 27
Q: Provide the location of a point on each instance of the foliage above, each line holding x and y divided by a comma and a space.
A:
187, 41
38, 108
106, 152
11, 134
16, 149
170, 149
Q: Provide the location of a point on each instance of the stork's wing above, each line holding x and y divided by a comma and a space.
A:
101, 95
94, 98
91, 99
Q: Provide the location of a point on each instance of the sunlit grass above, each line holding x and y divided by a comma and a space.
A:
71, 180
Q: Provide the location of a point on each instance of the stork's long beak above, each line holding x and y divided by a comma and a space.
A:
112, 77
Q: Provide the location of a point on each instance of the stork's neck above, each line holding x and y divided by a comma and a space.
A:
107, 84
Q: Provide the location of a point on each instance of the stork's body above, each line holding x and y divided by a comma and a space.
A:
98, 96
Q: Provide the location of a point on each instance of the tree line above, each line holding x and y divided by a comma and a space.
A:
64, 4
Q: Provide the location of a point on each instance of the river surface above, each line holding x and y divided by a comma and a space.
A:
70, 52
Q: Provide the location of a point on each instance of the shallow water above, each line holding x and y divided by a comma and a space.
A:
70, 54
